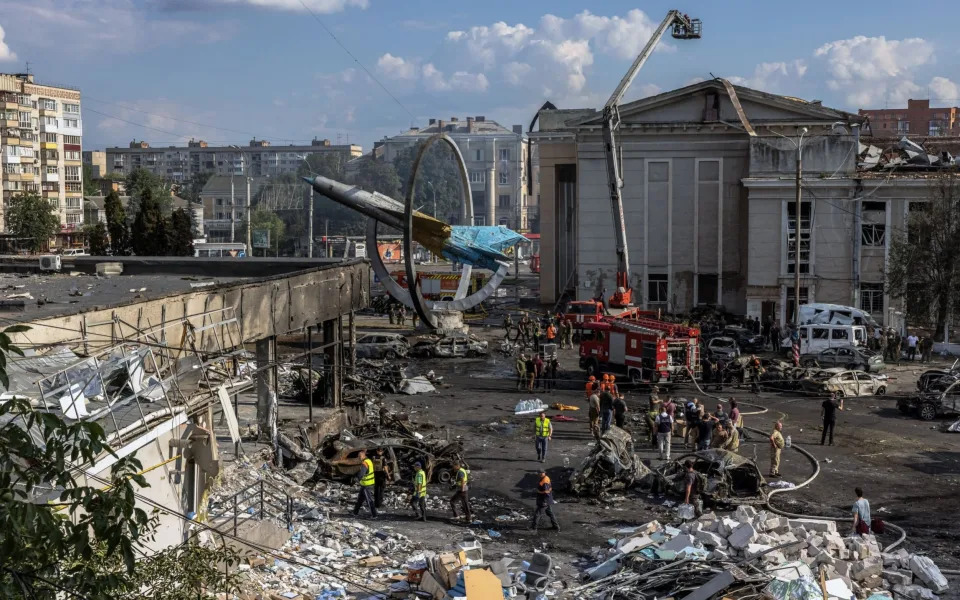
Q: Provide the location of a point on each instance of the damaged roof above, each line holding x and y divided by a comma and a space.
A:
905, 155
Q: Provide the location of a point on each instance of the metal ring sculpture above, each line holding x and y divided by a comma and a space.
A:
413, 296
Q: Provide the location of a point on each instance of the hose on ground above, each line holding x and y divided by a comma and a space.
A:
816, 471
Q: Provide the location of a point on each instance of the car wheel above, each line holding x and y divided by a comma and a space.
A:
928, 411
444, 476
841, 393
390, 354
881, 390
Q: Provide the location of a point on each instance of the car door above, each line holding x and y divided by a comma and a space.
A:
866, 385
849, 383
828, 358
844, 357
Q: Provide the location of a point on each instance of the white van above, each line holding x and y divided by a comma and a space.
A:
818, 337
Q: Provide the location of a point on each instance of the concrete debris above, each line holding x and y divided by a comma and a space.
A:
785, 557
906, 154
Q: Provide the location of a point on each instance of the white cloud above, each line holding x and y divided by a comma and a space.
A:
622, 37
515, 73
469, 82
773, 76
5, 52
396, 67
944, 90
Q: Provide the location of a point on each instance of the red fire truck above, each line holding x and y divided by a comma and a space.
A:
645, 350
435, 285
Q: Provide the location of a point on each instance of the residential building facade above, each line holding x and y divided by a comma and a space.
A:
41, 135
918, 119
97, 160
258, 159
224, 199
709, 203
496, 158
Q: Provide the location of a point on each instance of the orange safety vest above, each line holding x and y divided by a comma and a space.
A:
551, 332
588, 389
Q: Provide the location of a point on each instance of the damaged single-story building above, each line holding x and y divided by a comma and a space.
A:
709, 204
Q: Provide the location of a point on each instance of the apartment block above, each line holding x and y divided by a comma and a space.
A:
41, 135
496, 158
918, 119
258, 159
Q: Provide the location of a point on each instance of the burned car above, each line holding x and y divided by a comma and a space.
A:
931, 404
726, 476
611, 466
722, 347
938, 379
382, 345
338, 456
844, 383
849, 357
746, 339
451, 346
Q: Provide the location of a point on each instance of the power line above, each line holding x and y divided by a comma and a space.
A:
163, 131
355, 59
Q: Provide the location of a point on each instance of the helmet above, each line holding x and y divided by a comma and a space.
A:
612, 378
591, 378
417, 465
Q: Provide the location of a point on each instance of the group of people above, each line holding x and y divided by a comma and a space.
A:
397, 313
534, 373
893, 345
533, 331
607, 405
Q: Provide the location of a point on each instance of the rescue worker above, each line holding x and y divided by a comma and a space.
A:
619, 411
543, 432
550, 375
590, 388
653, 411
551, 333
381, 473
366, 478
507, 326
531, 373
538, 371
402, 316
776, 445
606, 410
544, 502
521, 371
594, 402
537, 333
604, 382
461, 495
568, 332
391, 312
418, 502
755, 371
664, 427
612, 386
732, 442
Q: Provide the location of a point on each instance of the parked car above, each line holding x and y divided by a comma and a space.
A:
723, 347
931, 404
845, 383
450, 347
939, 379
75, 252
382, 345
849, 357
747, 340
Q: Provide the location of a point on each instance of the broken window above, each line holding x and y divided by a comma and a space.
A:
871, 297
821, 333
706, 288
806, 209
873, 234
657, 284
840, 334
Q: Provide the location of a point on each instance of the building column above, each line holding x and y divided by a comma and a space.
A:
492, 194
266, 351
332, 351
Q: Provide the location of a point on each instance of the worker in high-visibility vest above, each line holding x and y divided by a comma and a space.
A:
544, 431
419, 499
551, 333
460, 496
544, 501
367, 481
605, 383
588, 389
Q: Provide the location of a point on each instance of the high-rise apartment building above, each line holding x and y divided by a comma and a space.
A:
258, 159
40, 147
917, 119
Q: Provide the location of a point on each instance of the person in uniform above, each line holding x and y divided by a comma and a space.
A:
776, 445
544, 501
543, 433
461, 496
381, 474
418, 501
366, 478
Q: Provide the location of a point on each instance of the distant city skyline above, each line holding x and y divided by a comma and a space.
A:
225, 71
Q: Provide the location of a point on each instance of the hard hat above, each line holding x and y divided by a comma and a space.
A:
592, 378
612, 378
417, 465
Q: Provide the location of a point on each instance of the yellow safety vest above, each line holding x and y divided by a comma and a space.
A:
543, 427
420, 484
464, 473
368, 479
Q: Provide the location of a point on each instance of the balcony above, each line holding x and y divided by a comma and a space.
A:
48, 112
51, 194
50, 177
9, 122
9, 160
48, 145
49, 127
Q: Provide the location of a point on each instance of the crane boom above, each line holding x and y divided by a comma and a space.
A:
683, 28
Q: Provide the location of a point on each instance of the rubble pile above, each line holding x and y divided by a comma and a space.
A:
906, 154
372, 377
612, 465
756, 552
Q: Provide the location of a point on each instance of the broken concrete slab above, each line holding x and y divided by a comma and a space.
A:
898, 577
678, 543
710, 540
914, 592
814, 525
742, 536
867, 567
927, 572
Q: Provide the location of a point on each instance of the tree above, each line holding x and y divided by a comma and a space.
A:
139, 182
90, 188
149, 231
97, 238
378, 176
265, 219
190, 190
64, 536
32, 218
924, 266
437, 169
117, 224
180, 233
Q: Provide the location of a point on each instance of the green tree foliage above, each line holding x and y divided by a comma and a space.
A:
117, 225
139, 182
190, 190
265, 219
32, 218
97, 238
180, 233
924, 265
378, 176
438, 177
90, 187
149, 232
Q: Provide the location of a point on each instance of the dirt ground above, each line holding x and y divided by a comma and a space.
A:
908, 468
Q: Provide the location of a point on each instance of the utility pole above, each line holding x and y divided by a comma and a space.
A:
249, 219
326, 237
310, 229
232, 211
796, 242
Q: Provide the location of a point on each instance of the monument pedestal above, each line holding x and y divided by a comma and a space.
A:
450, 322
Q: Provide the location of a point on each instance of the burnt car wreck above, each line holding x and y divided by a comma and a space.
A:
611, 466
726, 477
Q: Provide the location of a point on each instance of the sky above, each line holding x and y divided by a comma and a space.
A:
225, 71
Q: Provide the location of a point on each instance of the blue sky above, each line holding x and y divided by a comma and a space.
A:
226, 70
